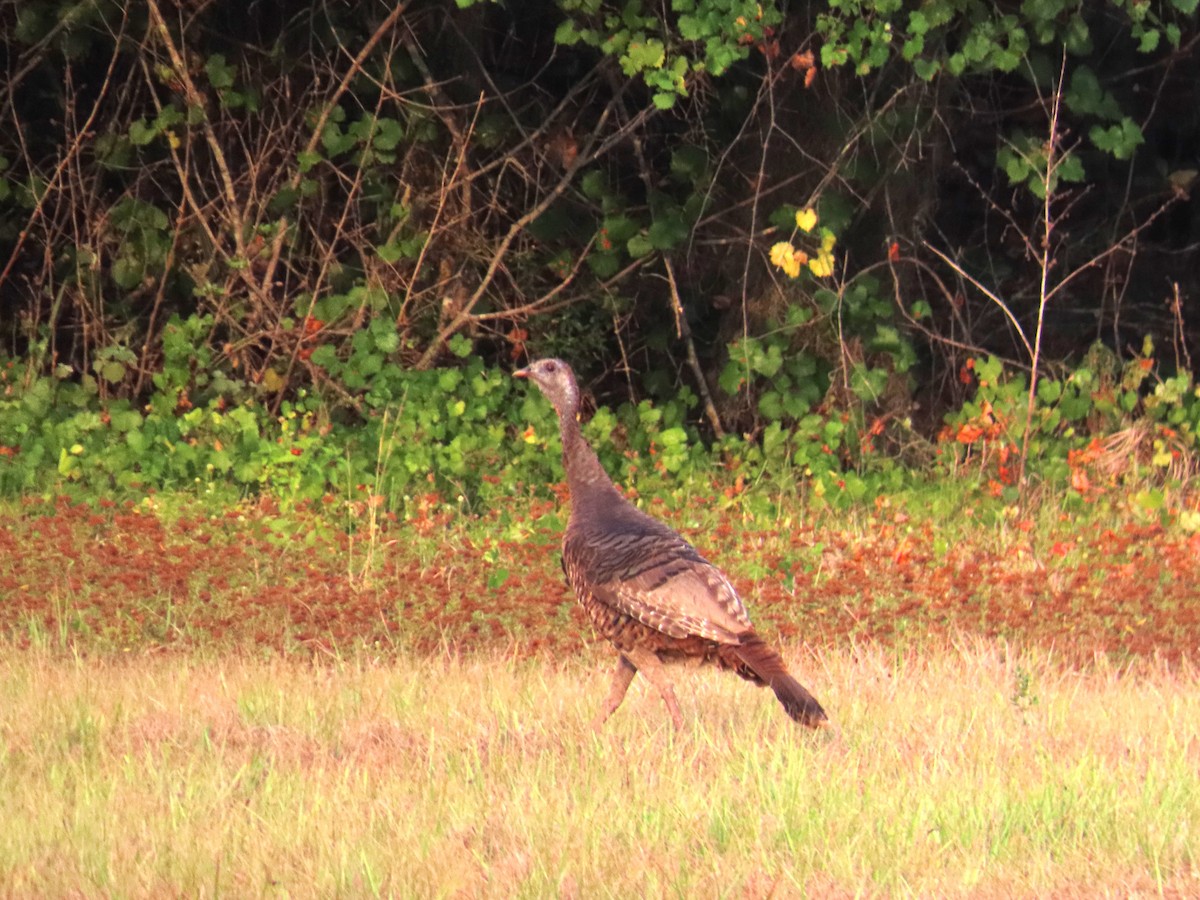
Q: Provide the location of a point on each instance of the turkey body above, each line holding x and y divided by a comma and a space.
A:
644, 587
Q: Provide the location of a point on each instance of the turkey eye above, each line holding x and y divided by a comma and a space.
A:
551, 368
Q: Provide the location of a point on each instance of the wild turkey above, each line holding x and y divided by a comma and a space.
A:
644, 587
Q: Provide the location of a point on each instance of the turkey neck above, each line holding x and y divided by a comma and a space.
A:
589, 483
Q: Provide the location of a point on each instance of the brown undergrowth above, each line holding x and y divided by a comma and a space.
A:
111, 577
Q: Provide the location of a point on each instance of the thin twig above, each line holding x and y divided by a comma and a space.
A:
194, 98
684, 331
919, 326
589, 154
327, 109
80, 136
1045, 263
983, 289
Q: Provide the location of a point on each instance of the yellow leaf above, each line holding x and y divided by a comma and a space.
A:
273, 381
806, 219
822, 266
783, 255
828, 240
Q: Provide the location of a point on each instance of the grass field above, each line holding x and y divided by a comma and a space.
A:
256, 703
971, 771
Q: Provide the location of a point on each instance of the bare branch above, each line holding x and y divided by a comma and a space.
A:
685, 333
81, 135
983, 289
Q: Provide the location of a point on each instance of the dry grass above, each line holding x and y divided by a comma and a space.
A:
968, 771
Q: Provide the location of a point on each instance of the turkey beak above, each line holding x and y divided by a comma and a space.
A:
521, 373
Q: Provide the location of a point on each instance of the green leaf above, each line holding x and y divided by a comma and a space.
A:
795, 405
1120, 140
927, 69
887, 339
141, 133
111, 371
170, 116
335, 141
231, 99
1077, 37
664, 100
988, 370
460, 346
732, 377
770, 405
689, 163
391, 253
642, 53
769, 363
604, 264
867, 383
1150, 500
127, 272
325, 357
125, 420
387, 341
1049, 390
639, 245
136, 440
1070, 168
693, 28
566, 34
388, 134
668, 232
1014, 165
594, 185
723, 56
283, 201
1075, 407
220, 73
1085, 96
673, 437
619, 229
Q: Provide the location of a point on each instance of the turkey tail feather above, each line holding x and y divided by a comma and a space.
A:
768, 665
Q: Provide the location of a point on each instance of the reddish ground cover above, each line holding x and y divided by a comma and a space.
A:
112, 577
